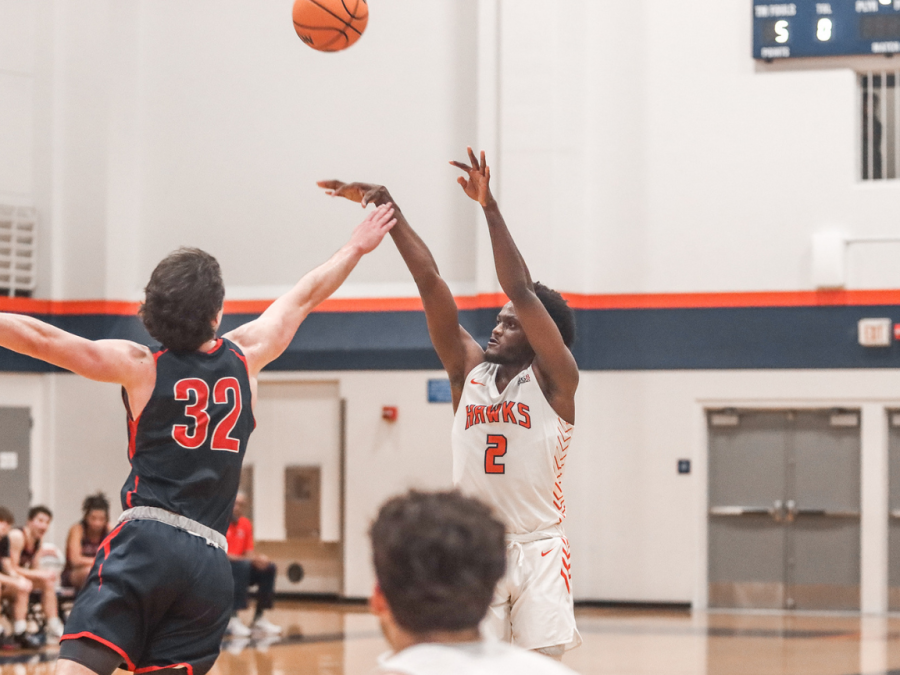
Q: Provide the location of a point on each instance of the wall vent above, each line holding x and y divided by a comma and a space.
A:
18, 233
880, 122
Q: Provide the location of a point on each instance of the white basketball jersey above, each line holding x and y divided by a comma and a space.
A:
510, 448
473, 658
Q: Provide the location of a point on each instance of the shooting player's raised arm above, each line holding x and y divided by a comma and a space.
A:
457, 350
552, 356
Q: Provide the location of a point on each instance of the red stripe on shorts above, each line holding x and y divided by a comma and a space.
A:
149, 669
105, 548
106, 643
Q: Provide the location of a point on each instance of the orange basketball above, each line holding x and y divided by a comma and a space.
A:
330, 25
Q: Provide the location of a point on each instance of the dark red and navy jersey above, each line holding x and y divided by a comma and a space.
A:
187, 445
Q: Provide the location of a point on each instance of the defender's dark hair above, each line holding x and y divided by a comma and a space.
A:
438, 556
182, 299
35, 511
6, 516
97, 502
559, 310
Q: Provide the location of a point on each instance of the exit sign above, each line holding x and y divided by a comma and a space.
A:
875, 332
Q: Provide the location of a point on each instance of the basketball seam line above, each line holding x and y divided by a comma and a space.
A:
353, 13
340, 34
328, 11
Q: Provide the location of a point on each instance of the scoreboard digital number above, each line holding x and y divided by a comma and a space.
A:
783, 30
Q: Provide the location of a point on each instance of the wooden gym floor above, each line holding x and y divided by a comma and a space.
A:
338, 639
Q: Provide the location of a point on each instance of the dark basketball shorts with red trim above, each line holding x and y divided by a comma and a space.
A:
158, 596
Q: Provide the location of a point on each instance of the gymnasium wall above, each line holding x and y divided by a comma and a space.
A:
637, 152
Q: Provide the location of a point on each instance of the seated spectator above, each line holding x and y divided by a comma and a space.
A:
438, 557
249, 569
14, 589
24, 552
84, 540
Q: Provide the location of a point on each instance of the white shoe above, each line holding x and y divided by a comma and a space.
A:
236, 645
263, 643
54, 628
263, 625
236, 628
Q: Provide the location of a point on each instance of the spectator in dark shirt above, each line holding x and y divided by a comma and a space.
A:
13, 588
24, 554
249, 569
84, 540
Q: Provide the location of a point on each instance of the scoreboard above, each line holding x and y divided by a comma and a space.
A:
810, 28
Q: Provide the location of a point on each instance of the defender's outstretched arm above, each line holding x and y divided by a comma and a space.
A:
264, 339
119, 361
457, 350
551, 353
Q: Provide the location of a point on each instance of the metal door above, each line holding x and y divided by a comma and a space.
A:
15, 461
894, 504
302, 500
784, 525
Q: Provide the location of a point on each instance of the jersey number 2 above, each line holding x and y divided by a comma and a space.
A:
195, 389
496, 448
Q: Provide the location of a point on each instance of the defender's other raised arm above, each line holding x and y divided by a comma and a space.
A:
264, 339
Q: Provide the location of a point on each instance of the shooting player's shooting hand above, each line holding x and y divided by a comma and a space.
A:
477, 185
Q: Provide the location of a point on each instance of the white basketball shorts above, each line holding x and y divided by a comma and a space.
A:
532, 606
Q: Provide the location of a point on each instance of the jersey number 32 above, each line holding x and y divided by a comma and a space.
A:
196, 390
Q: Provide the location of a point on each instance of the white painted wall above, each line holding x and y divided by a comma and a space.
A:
143, 126
298, 423
645, 132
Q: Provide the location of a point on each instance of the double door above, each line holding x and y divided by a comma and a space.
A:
783, 522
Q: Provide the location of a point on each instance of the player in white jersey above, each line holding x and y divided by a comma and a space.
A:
437, 558
514, 405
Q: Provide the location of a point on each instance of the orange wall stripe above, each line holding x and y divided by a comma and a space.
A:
65, 307
726, 300
495, 300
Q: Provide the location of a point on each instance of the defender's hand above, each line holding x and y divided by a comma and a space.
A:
369, 233
477, 186
361, 193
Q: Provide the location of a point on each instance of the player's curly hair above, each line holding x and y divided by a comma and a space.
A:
563, 315
438, 556
182, 299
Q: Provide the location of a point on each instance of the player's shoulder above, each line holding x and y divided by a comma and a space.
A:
478, 658
16, 539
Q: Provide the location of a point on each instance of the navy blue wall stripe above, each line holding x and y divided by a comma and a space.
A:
617, 339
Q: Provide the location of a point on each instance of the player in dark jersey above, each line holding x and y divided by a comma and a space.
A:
159, 594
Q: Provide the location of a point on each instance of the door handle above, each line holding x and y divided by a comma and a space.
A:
777, 511
828, 513
790, 507
739, 511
